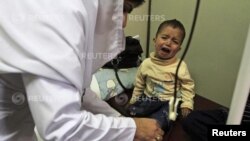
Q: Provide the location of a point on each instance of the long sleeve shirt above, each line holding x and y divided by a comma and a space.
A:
156, 77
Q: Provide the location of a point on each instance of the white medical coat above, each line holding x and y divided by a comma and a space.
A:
49, 50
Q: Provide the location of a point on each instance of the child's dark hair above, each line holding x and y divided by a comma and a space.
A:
173, 23
138, 2
135, 3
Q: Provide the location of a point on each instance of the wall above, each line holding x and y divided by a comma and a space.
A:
218, 41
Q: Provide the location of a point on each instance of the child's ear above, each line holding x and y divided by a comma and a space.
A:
154, 40
179, 48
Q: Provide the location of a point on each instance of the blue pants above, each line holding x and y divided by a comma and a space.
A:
152, 108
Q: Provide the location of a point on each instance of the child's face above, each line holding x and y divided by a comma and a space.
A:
168, 42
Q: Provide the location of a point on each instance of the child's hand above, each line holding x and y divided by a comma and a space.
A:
185, 112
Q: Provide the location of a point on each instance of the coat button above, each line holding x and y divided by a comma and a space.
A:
18, 98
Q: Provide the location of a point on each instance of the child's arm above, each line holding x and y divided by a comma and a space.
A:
187, 91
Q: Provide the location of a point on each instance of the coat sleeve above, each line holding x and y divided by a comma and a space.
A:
59, 115
91, 102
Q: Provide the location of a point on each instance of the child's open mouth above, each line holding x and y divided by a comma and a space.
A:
166, 49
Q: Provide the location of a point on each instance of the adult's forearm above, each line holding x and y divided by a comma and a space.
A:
58, 114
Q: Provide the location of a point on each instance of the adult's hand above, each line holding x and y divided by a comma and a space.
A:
148, 130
